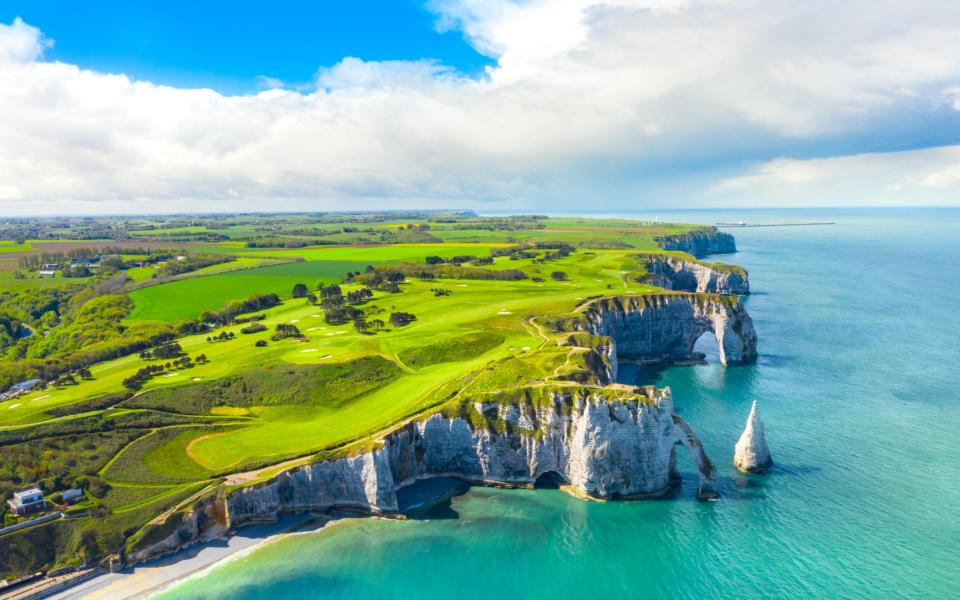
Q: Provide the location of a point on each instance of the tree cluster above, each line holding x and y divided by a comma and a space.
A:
224, 336
145, 374
186, 263
254, 328
399, 319
286, 330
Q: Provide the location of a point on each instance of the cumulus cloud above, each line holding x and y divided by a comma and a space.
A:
20, 43
625, 102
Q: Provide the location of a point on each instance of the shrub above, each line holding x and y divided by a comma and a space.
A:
254, 328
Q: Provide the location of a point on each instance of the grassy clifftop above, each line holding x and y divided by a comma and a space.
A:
487, 306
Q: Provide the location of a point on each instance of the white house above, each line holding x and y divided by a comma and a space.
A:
27, 501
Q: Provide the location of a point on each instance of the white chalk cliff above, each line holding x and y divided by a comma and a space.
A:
666, 327
700, 242
680, 274
607, 443
751, 452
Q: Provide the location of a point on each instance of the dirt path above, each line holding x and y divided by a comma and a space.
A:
162, 517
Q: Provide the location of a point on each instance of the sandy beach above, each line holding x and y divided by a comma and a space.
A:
152, 577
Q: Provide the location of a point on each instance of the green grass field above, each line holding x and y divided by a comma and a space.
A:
190, 297
11, 246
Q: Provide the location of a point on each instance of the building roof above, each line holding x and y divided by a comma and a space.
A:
21, 495
26, 385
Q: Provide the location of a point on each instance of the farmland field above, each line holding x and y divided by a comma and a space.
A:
189, 297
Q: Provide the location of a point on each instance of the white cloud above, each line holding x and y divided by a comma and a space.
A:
625, 101
924, 177
20, 43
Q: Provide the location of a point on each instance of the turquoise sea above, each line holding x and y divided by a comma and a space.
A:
859, 325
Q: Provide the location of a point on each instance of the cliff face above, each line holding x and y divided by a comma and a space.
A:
674, 273
700, 242
664, 328
206, 522
606, 448
606, 444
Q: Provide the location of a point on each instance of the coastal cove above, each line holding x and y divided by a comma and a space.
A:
854, 384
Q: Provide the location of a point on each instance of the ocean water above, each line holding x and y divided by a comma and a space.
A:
859, 325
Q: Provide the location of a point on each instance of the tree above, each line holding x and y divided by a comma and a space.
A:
559, 276
399, 319
300, 290
171, 350
359, 296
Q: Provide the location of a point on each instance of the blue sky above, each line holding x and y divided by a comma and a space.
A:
122, 106
227, 45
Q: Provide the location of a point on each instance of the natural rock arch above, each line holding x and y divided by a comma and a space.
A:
665, 327
689, 440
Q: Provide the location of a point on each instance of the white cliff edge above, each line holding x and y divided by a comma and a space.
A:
751, 453
602, 445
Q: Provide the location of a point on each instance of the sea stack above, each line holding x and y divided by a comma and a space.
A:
752, 454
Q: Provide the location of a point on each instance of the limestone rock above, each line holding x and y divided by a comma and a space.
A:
604, 447
752, 454
700, 242
674, 273
665, 327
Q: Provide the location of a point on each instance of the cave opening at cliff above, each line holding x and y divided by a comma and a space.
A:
706, 349
551, 480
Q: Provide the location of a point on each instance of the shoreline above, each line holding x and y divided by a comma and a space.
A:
155, 576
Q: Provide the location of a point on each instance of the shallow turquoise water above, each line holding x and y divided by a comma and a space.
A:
858, 324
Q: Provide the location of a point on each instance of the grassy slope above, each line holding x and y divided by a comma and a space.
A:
489, 323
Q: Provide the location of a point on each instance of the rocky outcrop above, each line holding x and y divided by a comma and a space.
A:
699, 242
206, 522
675, 273
665, 327
620, 447
751, 453
613, 442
